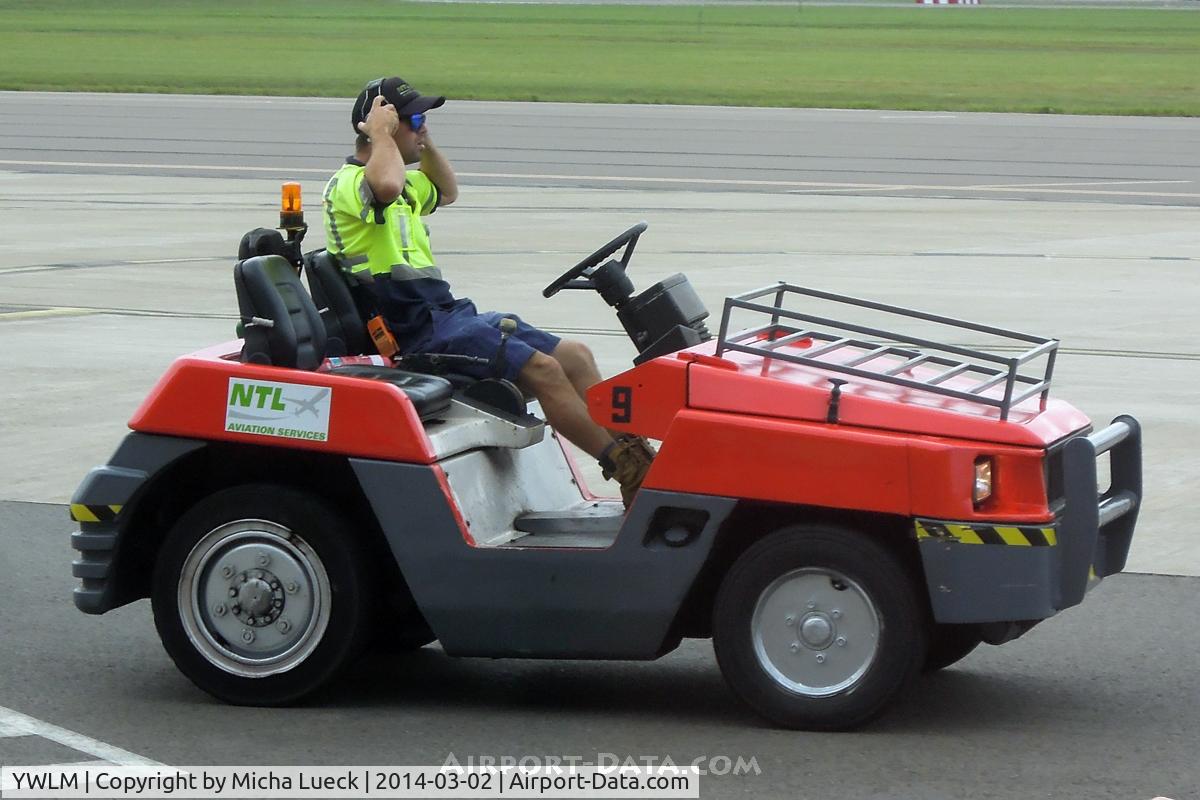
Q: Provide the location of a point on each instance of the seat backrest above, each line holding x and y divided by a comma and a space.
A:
281, 323
262, 242
335, 300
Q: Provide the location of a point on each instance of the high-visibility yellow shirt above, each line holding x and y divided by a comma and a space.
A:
393, 238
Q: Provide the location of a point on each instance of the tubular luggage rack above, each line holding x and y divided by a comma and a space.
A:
900, 350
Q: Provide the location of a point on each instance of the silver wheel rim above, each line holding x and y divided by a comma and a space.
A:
816, 632
254, 598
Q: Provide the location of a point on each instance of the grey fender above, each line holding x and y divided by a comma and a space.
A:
104, 504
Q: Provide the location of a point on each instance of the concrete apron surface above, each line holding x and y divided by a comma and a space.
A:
104, 280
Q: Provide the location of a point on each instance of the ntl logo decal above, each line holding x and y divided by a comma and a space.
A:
287, 410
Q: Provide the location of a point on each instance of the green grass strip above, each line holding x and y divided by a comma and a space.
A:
1087, 61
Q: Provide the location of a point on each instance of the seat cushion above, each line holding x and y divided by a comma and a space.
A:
429, 393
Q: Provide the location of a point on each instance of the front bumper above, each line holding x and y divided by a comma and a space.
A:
998, 573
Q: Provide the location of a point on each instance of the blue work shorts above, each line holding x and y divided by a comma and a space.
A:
464, 331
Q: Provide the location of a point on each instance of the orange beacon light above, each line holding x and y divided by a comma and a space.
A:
291, 209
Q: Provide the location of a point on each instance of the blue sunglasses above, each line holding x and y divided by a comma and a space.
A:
416, 121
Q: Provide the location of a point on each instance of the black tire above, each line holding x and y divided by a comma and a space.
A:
403, 633
949, 644
312, 594
864, 630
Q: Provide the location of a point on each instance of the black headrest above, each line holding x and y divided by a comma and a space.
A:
261, 242
335, 299
281, 323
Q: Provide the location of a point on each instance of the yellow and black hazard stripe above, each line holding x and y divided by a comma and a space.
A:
94, 513
1012, 535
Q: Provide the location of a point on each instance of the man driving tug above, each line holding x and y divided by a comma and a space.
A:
373, 207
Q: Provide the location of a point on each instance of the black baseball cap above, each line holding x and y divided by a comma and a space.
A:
396, 92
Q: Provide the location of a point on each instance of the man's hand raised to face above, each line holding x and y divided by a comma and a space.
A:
381, 122
385, 165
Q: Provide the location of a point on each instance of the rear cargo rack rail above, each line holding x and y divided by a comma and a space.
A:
831, 336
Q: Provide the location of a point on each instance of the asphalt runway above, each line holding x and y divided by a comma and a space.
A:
118, 245
759, 150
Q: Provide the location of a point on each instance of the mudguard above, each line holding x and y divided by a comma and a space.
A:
103, 505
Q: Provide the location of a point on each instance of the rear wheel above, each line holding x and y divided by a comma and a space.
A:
261, 594
818, 628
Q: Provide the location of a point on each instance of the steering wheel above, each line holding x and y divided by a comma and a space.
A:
578, 277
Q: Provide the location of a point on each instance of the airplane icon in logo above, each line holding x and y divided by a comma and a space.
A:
309, 405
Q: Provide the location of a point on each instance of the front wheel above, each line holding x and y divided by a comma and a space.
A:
949, 644
818, 628
261, 594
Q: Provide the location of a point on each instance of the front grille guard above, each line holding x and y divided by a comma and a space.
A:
1096, 529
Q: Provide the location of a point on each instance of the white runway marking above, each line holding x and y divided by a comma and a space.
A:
643, 179
31, 726
8, 731
819, 185
201, 167
37, 313
1015, 189
170, 260
1069, 183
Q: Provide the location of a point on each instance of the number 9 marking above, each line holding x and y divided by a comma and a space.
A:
622, 403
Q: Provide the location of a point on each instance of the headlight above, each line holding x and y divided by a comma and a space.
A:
983, 480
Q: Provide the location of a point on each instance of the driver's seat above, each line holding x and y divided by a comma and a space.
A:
334, 297
284, 329
342, 310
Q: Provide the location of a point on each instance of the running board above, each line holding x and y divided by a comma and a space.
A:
595, 524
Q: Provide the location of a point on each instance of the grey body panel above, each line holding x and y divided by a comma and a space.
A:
537, 602
1001, 583
139, 457
989, 582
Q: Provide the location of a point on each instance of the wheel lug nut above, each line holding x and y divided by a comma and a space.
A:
820, 658
795, 648
293, 587
236, 609
233, 592
220, 609
227, 572
812, 606
247, 636
284, 626
835, 614
789, 620
841, 641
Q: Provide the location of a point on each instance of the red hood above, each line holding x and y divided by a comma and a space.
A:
745, 384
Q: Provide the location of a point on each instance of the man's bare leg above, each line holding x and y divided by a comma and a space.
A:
579, 365
546, 379
625, 458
